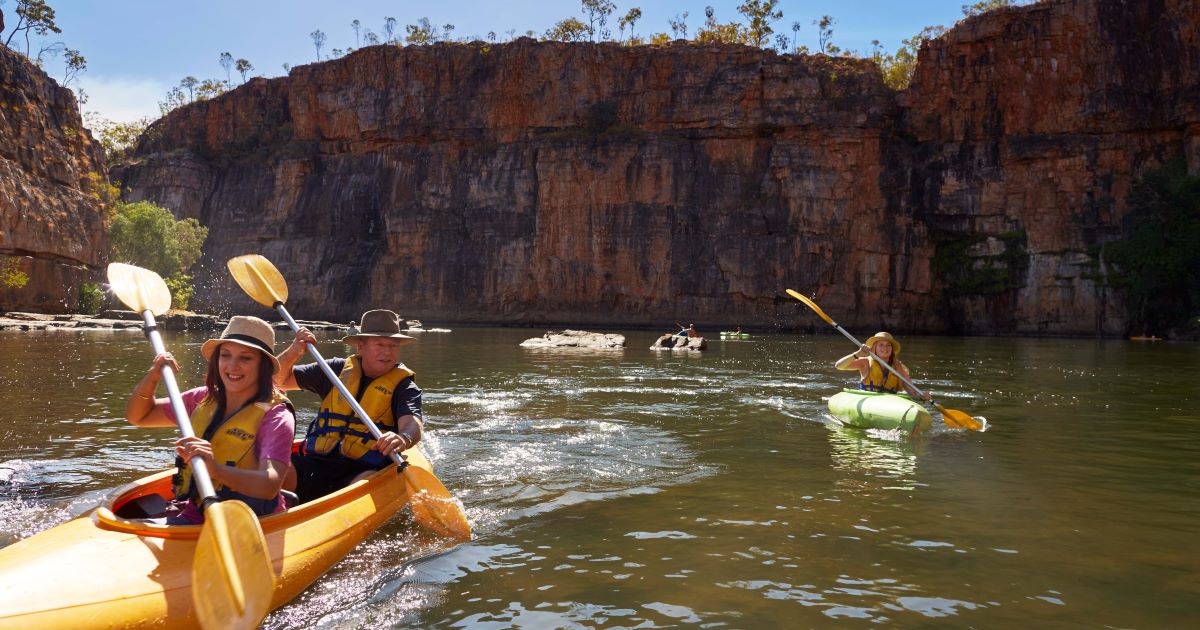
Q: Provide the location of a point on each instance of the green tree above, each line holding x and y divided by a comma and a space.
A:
825, 35
714, 32
147, 235
389, 30
1158, 264
421, 33
210, 88
357, 26
760, 14
189, 83
630, 20
227, 63
318, 40
898, 68
117, 138
243, 66
678, 24
144, 234
11, 275
983, 6
33, 15
76, 63
598, 12
568, 30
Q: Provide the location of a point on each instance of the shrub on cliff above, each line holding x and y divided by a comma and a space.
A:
1157, 264
149, 236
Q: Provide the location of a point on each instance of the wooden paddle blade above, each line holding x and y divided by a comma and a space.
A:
232, 579
959, 420
259, 279
433, 506
811, 304
139, 289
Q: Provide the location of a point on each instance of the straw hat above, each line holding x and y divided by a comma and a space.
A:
379, 323
883, 336
243, 330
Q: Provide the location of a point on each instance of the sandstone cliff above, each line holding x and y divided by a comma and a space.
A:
594, 183
49, 222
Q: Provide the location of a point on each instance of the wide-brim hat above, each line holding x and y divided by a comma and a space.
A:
884, 336
379, 323
244, 330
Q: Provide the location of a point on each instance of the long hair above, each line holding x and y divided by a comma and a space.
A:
216, 388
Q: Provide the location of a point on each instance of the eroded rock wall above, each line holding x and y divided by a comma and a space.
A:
51, 226
595, 183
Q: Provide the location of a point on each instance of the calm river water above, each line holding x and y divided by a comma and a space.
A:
635, 489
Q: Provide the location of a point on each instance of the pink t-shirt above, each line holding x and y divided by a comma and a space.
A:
273, 441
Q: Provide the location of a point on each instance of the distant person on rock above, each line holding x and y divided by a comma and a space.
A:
873, 376
338, 447
352, 329
244, 426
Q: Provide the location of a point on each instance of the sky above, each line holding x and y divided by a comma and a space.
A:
136, 50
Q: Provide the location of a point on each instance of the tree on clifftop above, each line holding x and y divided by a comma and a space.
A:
227, 63
243, 66
568, 30
33, 15
318, 39
760, 13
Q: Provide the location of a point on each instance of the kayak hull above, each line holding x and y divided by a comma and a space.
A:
874, 410
734, 335
104, 571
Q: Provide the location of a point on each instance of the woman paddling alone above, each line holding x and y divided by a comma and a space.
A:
239, 418
873, 376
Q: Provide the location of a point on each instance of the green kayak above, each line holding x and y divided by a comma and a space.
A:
874, 410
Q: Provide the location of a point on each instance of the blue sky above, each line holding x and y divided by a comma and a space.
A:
138, 49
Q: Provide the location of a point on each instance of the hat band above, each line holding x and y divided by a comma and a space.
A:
254, 341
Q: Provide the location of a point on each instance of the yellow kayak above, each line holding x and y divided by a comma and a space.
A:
104, 571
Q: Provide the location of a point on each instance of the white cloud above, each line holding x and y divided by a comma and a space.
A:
123, 99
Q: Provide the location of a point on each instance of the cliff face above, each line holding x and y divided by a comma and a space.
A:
538, 182
50, 224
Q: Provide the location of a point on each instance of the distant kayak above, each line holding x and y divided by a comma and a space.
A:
728, 334
1145, 338
874, 410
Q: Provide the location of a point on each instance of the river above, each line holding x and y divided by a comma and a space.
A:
637, 489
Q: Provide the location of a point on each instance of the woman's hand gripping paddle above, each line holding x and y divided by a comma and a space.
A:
951, 417
432, 504
232, 579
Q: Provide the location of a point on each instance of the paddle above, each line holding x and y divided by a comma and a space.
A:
432, 504
950, 417
232, 578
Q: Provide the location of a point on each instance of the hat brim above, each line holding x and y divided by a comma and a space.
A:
211, 346
895, 344
402, 338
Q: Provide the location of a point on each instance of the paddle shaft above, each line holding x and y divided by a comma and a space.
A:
337, 382
204, 484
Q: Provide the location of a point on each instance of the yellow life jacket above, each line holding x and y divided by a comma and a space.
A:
232, 445
880, 379
338, 429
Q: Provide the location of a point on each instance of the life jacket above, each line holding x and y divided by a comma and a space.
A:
233, 445
338, 429
880, 379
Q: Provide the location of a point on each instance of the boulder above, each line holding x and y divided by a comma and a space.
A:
672, 341
576, 339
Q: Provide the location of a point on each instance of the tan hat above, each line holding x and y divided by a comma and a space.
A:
244, 330
379, 323
883, 336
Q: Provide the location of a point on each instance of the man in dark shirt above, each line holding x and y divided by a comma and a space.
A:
338, 447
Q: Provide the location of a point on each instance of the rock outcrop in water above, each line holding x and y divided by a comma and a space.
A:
596, 183
51, 226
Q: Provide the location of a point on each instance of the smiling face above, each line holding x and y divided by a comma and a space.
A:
379, 354
239, 368
883, 349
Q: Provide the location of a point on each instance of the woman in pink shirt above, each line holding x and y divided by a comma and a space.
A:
244, 427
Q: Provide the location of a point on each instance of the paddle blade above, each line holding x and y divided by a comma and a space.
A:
139, 289
232, 579
433, 506
259, 279
958, 420
811, 304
